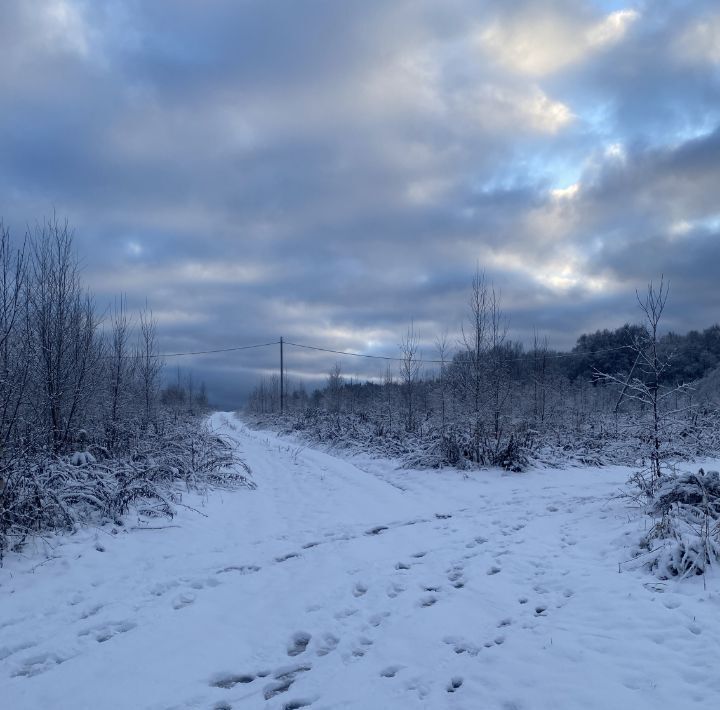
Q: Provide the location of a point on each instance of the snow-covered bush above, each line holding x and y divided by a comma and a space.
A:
423, 447
82, 458
685, 539
45, 492
513, 456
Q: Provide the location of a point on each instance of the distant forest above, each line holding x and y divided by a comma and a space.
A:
487, 400
689, 357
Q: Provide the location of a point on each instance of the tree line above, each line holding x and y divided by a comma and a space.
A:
86, 427
490, 400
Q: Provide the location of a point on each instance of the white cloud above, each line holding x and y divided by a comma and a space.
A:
610, 30
500, 109
566, 193
64, 27
569, 272
616, 151
542, 44
700, 42
422, 86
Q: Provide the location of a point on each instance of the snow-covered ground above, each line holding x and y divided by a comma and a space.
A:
340, 584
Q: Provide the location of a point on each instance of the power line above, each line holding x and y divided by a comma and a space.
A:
218, 350
342, 352
386, 358
445, 362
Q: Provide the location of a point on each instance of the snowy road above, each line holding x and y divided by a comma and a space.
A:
336, 585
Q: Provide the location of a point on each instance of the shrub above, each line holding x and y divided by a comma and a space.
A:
686, 538
45, 492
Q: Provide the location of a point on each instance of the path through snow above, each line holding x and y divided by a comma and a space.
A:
353, 585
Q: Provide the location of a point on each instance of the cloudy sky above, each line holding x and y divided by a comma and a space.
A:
328, 170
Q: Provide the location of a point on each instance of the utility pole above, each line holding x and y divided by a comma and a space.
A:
282, 378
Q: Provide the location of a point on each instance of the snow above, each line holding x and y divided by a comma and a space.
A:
345, 583
82, 458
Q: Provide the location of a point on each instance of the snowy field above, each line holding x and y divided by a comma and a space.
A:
341, 584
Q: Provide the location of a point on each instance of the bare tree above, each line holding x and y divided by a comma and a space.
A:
441, 345
335, 385
65, 332
645, 386
14, 361
120, 364
498, 363
409, 373
389, 387
474, 342
539, 376
149, 365
190, 388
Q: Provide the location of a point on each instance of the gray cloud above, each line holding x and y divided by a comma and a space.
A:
328, 171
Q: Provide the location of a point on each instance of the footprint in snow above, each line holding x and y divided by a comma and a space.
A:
35, 665
76, 599
454, 684
105, 632
359, 590
298, 643
394, 589
289, 556
455, 576
297, 704
390, 671
376, 530
230, 680
91, 611
427, 601
377, 619
241, 569
183, 600
461, 646
344, 613
327, 645
283, 680
419, 685
360, 650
